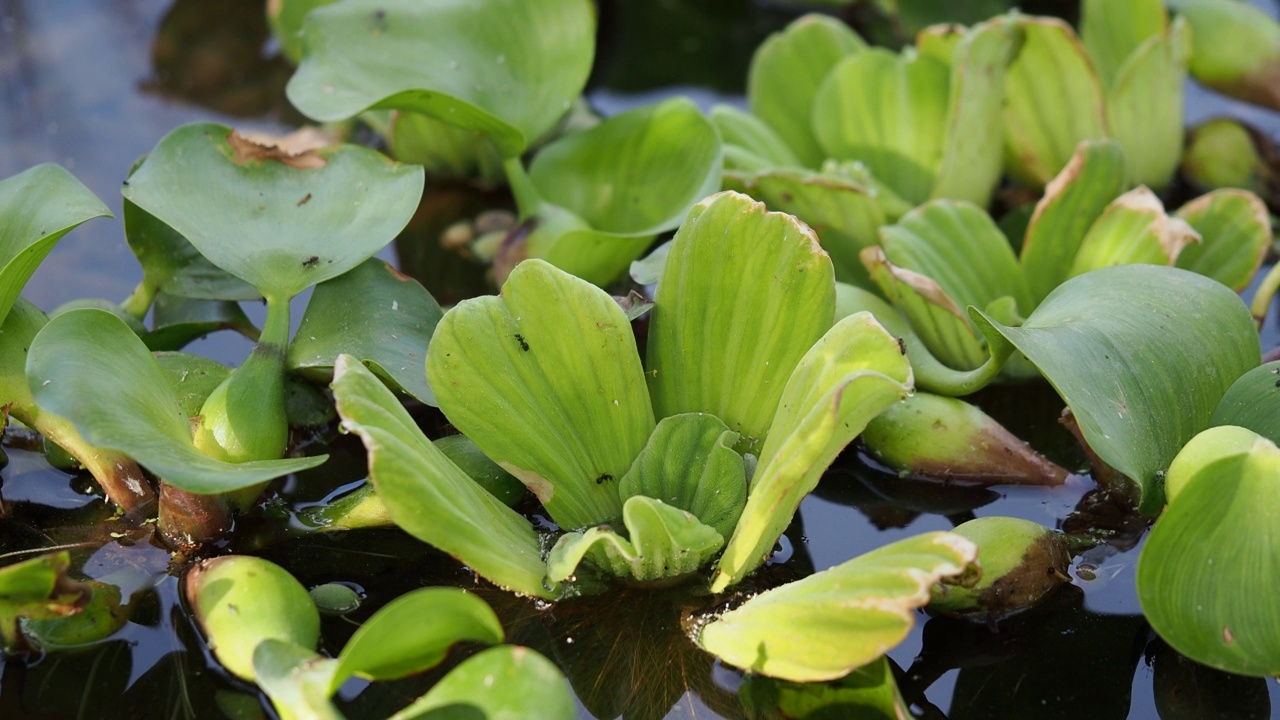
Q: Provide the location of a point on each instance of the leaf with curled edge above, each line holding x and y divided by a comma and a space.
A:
1133, 229
1236, 230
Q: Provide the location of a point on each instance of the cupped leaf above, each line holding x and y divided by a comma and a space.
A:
662, 543
972, 154
1253, 402
1210, 563
1053, 101
296, 679
375, 313
502, 683
848, 377
689, 463
546, 380
1236, 229
191, 378
430, 497
1144, 105
828, 624
1141, 354
280, 221
171, 264
413, 633
89, 367
38, 588
749, 142
744, 294
785, 74
890, 112
37, 207
1112, 32
1133, 229
1071, 203
446, 152
507, 68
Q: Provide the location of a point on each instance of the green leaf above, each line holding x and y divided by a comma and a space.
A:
689, 463
177, 321
1071, 203
1236, 229
1112, 32
506, 68
191, 378
748, 133
744, 294
285, 18
828, 624
890, 112
870, 692
89, 367
1237, 48
296, 679
848, 377
785, 74
281, 222
414, 633
1144, 106
1053, 101
662, 543
628, 178
375, 313
445, 151
37, 207
972, 155
37, 588
1141, 354
430, 497
1253, 402
502, 683
171, 264
1209, 565
1133, 229
546, 380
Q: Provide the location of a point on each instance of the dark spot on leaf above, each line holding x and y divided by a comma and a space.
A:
310, 262
305, 199
523, 345
603, 476
902, 346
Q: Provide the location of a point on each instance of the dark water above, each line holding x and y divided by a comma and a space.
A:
94, 84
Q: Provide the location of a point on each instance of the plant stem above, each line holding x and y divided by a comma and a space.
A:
1266, 292
139, 301
528, 201
189, 519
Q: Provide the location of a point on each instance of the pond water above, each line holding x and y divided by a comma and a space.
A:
93, 84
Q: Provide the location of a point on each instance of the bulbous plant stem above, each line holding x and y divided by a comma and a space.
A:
140, 300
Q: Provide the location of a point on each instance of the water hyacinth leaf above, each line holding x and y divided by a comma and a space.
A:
1133, 229
848, 377
750, 134
296, 679
171, 264
889, 112
177, 321
972, 155
826, 625
1253, 402
1237, 48
1113, 31
689, 463
99, 618
1071, 203
37, 588
479, 467
845, 213
282, 221
785, 74
389, 328
37, 207
191, 378
1220, 442
443, 150
1098, 336
1212, 556
285, 18
704, 350
413, 633
508, 682
1053, 101
1144, 106
935, 318
89, 367
1236, 229
667, 156
507, 68
546, 380
662, 542
427, 495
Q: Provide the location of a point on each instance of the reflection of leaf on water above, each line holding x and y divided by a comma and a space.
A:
1187, 690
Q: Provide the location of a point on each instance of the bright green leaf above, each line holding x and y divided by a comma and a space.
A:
507, 68
744, 294
752, 135
296, 679
285, 18
1144, 106
1133, 229
1253, 402
502, 683
1237, 48
191, 378
848, 377
446, 152
37, 588
1236, 231
430, 497
828, 624
1113, 31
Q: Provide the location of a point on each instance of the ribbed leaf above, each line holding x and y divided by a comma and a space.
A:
547, 381
746, 136
1142, 355
1133, 229
507, 68
1236, 231
744, 294
296, 679
1144, 105
1053, 100
430, 497
851, 375
89, 367
506, 683
785, 74
1253, 402
1113, 31
824, 626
